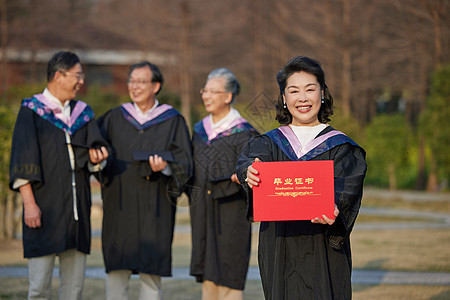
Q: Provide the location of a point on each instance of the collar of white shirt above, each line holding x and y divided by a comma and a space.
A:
224, 123
144, 114
64, 107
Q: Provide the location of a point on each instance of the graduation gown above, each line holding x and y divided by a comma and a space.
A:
300, 259
39, 154
138, 204
220, 231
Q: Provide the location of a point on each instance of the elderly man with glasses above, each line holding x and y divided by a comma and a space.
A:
56, 146
150, 162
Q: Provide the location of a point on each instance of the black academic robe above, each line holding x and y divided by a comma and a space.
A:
221, 234
39, 154
139, 205
299, 259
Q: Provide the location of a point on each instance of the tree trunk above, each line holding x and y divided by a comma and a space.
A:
421, 174
16, 215
432, 183
186, 76
346, 59
421, 96
3, 214
392, 177
258, 49
4, 41
437, 38
365, 111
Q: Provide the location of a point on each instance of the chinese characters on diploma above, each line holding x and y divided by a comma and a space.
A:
294, 190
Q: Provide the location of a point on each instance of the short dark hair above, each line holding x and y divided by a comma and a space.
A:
63, 60
156, 73
310, 66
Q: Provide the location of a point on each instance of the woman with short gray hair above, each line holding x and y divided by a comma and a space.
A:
221, 234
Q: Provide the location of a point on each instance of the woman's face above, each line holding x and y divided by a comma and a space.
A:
303, 97
214, 96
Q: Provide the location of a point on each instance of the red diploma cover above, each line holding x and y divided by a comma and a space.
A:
294, 190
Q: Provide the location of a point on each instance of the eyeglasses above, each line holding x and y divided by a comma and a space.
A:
139, 82
79, 76
204, 91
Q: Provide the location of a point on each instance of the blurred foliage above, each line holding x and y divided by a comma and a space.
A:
435, 121
391, 152
101, 100
7, 120
7, 223
8, 112
198, 112
173, 99
16, 93
348, 125
170, 98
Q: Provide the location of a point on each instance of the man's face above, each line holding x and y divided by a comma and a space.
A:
140, 86
70, 82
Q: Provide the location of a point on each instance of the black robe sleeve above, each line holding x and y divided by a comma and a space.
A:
93, 139
226, 151
102, 123
349, 172
258, 147
182, 166
25, 152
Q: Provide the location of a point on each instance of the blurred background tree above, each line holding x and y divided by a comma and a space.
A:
435, 125
8, 200
389, 145
378, 56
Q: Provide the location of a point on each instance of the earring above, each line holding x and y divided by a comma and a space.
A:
323, 101
284, 105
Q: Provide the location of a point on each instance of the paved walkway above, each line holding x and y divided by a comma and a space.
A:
426, 220
407, 195
358, 276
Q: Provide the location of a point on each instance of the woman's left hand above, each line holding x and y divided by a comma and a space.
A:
325, 220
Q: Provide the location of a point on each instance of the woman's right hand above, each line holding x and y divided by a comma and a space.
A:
252, 178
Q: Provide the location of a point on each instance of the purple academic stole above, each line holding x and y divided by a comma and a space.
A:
160, 114
80, 115
207, 134
286, 139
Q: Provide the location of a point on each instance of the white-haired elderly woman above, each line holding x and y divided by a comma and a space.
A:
221, 233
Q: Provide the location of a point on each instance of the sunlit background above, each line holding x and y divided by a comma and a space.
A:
387, 64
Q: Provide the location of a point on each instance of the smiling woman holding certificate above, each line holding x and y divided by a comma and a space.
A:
305, 259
